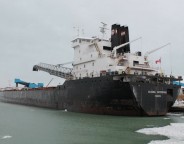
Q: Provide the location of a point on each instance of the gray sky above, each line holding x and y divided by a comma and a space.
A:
33, 31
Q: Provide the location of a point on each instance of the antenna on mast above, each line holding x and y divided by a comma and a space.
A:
77, 31
103, 29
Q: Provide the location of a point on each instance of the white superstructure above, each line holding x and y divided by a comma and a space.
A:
93, 57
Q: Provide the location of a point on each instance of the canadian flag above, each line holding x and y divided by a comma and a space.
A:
158, 61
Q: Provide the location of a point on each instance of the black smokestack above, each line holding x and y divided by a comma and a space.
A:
115, 35
120, 35
124, 38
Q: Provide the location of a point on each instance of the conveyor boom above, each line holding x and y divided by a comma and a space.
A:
56, 70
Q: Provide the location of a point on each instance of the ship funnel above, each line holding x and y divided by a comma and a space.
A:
120, 35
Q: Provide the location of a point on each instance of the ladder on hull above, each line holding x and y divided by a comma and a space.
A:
55, 70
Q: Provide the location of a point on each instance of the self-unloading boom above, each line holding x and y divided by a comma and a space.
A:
56, 70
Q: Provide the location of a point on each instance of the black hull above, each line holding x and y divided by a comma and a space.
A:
102, 95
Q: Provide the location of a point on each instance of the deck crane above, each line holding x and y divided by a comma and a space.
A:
152, 51
122, 45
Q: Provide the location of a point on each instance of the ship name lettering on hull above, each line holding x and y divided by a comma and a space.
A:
159, 92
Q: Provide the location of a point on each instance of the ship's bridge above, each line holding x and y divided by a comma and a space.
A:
90, 54
104, 43
80, 40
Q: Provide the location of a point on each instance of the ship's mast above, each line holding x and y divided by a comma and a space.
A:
103, 29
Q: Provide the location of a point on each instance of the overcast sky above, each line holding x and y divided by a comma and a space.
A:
33, 31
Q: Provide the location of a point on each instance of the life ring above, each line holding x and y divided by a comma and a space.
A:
123, 72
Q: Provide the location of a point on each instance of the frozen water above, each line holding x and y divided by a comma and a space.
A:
5, 137
174, 131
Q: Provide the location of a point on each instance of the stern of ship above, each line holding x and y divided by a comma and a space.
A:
155, 99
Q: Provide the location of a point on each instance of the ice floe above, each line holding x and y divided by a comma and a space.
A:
174, 131
6, 137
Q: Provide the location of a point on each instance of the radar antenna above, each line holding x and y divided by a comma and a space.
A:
103, 29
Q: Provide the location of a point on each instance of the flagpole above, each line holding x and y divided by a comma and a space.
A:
159, 61
160, 66
171, 58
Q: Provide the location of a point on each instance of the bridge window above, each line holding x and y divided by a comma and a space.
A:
135, 63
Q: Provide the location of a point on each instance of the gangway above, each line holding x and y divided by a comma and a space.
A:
56, 70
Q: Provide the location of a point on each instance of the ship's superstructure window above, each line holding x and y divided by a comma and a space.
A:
84, 65
93, 64
135, 63
91, 55
107, 48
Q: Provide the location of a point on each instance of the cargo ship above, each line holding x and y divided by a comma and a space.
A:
106, 78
